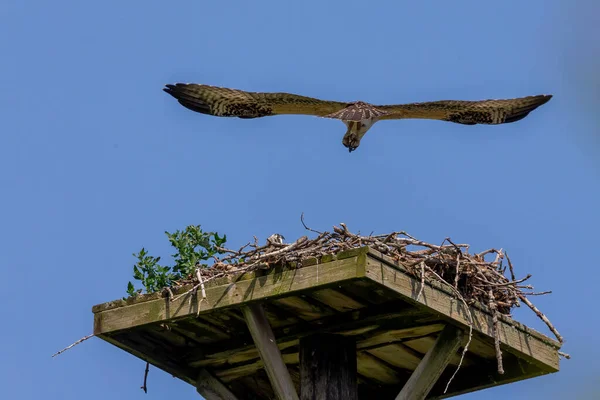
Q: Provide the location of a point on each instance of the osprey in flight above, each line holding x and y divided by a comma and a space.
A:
358, 116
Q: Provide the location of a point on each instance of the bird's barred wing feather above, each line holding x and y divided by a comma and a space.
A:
224, 102
467, 112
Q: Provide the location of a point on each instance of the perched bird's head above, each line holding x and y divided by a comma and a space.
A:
275, 238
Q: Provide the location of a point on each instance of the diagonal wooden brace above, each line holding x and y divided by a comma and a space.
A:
432, 365
212, 388
263, 337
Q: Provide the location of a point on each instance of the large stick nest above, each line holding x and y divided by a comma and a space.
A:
473, 278
476, 278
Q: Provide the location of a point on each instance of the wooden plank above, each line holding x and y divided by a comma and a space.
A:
358, 323
524, 344
336, 300
211, 388
279, 318
169, 336
269, 352
223, 321
230, 294
484, 375
432, 365
237, 356
423, 344
366, 292
198, 331
396, 335
231, 374
328, 368
359, 253
398, 356
374, 370
482, 347
373, 343
369, 340
302, 308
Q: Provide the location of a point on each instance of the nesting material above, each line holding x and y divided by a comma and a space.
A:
473, 277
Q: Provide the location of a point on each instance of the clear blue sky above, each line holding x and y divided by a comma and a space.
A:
96, 161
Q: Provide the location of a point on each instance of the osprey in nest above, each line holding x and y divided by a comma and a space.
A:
358, 116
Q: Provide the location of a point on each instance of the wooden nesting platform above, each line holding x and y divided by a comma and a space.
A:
360, 294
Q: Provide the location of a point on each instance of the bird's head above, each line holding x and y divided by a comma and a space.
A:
351, 141
275, 238
356, 131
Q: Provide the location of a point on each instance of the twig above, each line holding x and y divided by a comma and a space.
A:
202, 290
282, 251
145, 387
565, 355
457, 271
422, 280
471, 319
510, 267
306, 227
470, 277
83, 339
496, 331
199, 277
513, 282
537, 293
542, 317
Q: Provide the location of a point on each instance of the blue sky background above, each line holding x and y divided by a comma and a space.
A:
96, 161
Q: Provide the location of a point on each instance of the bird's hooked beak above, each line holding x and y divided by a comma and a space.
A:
351, 139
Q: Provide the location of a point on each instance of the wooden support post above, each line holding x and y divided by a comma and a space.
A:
261, 332
328, 368
432, 365
211, 388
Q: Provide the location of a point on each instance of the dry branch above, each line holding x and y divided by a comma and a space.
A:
471, 277
83, 339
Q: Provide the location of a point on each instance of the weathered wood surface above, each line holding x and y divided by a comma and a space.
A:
516, 338
269, 352
484, 375
336, 300
211, 388
233, 293
365, 341
415, 322
423, 344
432, 365
328, 368
361, 295
276, 271
376, 372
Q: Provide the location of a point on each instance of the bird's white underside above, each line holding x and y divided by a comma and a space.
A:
359, 128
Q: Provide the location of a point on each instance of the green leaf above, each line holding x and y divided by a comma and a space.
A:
192, 245
130, 289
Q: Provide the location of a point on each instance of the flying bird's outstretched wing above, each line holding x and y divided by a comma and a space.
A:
224, 102
467, 112
358, 116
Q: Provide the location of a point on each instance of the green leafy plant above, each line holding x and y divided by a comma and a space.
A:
194, 248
